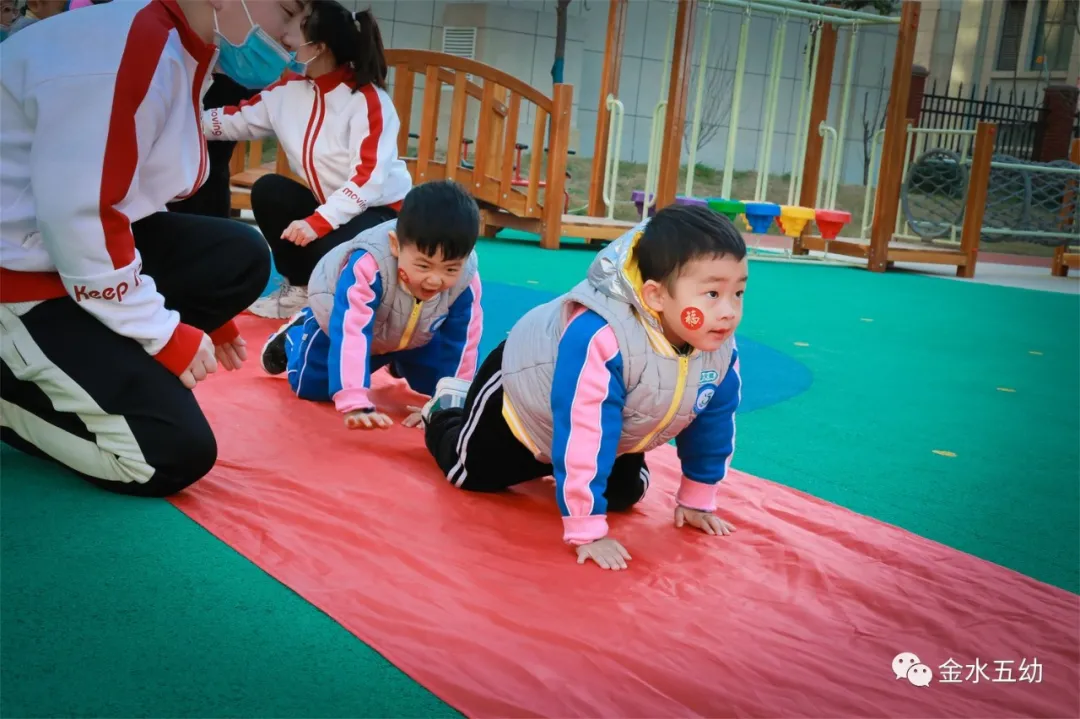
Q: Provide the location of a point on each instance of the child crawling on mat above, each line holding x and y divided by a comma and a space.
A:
640, 352
404, 295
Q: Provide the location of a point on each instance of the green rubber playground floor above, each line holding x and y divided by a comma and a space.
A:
105, 609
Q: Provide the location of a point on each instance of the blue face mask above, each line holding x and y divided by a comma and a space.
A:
256, 63
298, 66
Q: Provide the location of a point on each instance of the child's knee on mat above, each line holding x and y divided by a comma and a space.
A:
622, 499
420, 377
441, 434
483, 484
623, 504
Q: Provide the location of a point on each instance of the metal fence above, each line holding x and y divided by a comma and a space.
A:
1019, 124
1035, 202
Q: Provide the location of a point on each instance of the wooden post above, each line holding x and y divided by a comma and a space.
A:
562, 100
819, 112
429, 124
975, 207
675, 116
498, 129
609, 85
404, 80
1060, 267
887, 202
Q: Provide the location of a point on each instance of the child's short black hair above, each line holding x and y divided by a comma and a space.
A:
679, 234
439, 215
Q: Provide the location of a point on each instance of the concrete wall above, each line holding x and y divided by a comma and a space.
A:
518, 36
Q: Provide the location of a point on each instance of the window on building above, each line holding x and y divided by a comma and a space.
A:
1053, 34
1012, 30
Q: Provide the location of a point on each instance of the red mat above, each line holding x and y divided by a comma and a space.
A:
799, 613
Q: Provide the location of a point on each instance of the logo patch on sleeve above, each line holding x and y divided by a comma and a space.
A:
435, 325
708, 376
704, 395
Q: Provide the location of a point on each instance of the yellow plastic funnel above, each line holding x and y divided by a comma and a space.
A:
795, 219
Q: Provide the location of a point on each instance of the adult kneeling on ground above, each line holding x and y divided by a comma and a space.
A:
111, 307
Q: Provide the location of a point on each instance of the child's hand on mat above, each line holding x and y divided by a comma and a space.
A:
360, 419
606, 552
415, 419
299, 233
705, 521
202, 364
231, 355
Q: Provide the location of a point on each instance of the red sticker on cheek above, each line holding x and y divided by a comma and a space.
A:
692, 318
402, 276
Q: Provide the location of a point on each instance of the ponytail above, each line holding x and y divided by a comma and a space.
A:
353, 39
369, 59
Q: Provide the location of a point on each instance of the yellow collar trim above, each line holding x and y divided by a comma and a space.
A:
657, 339
633, 274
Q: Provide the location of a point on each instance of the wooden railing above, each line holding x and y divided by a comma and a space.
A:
246, 166
490, 175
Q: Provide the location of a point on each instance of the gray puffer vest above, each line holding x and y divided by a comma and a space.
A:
401, 321
664, 390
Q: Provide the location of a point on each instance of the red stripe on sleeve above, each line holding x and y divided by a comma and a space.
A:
319, 224
316, 184
369, 148
178, 352
226, 333
257, 97
142, 53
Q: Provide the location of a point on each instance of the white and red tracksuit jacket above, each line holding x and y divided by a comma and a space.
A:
341, 140
100, 127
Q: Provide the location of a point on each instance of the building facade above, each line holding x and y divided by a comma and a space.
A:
1021, 46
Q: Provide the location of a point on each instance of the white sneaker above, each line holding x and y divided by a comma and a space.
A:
449, 392
282, 303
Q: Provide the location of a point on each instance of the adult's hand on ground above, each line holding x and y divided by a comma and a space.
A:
201, 365
231, 355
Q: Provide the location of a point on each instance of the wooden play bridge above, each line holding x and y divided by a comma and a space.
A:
529, 199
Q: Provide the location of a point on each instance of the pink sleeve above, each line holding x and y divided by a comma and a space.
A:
587, 397
352, 334
469, 356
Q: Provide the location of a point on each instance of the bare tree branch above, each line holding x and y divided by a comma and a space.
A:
560, 41
871, 123
715, 103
